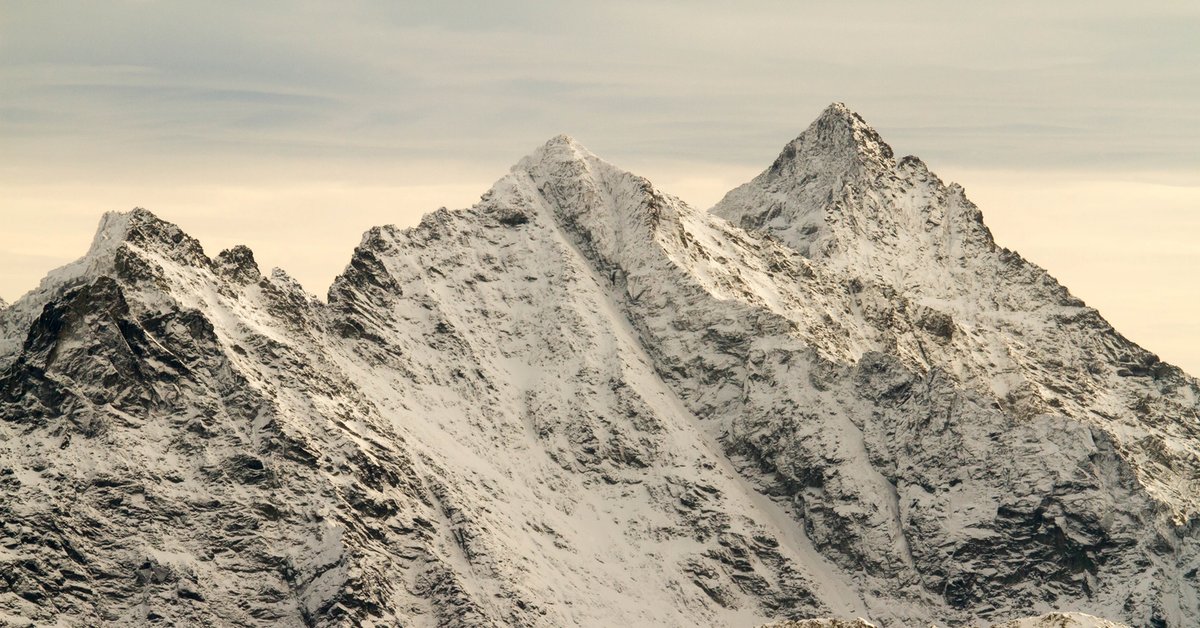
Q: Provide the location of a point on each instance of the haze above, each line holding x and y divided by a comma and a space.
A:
293, 127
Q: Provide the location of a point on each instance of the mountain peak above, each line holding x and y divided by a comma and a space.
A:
564, 140
561, 148
143, 229
838, 136
837, 153
237, 264
113, 229
839, 110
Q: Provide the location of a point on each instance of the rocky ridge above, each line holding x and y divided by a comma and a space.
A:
1049, 620
583, 402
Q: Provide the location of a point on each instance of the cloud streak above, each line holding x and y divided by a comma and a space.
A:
665, 78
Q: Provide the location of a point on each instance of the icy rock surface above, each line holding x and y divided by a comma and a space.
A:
1050, 620
1061, 620
822, 623
583, 402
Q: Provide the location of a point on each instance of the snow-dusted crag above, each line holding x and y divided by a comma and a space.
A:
582, 402
1061, 620
1049, 620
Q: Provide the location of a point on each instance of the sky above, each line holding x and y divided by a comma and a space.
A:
293, 127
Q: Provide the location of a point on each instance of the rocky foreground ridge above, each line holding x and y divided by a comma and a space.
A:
582, 402
1049, 620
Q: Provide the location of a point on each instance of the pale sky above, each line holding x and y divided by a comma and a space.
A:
294, 126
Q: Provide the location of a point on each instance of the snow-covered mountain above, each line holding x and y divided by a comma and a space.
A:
582, 402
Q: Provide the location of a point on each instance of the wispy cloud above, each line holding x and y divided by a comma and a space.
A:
114, 104
702, 80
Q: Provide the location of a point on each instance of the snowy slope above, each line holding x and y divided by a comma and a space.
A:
582, 402
176, 448
923, 486
323, 474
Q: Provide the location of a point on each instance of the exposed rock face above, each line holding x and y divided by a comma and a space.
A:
238, 265
1061, 620
582, 402
822, 623
1051, 620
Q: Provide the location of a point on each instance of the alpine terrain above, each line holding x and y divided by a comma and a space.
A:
582, 402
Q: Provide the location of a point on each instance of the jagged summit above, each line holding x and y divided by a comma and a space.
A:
583, 193
139, 250
812, 195
561, 156
837, 192
563, 139
121, 242
144, 229
838, 116
838, 137
238, 265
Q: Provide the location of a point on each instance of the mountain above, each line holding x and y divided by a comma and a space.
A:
583, 402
